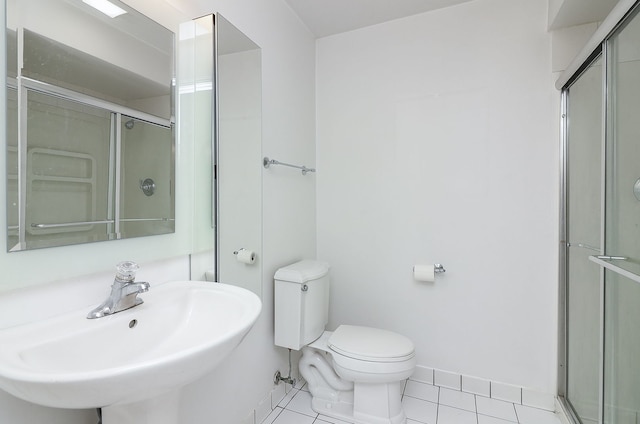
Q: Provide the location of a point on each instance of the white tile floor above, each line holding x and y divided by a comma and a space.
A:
423, 404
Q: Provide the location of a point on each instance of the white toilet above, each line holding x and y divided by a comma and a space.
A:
353, 373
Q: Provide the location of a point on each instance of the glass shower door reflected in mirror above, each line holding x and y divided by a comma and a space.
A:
67, 172
146, 179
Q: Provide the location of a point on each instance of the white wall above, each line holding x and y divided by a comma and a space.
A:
288, 69
436, 143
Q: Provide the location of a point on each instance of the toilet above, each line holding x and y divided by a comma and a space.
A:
354, 373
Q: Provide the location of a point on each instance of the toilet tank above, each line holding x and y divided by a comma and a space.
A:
301, 302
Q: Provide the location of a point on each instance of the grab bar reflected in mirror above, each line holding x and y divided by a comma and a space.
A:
106, 221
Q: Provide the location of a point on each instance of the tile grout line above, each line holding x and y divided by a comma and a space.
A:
279, 413
475, 401
438, 404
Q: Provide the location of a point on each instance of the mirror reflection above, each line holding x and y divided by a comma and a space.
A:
239, 212
90, 138
220, 88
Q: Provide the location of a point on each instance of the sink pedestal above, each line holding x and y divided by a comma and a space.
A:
162, 409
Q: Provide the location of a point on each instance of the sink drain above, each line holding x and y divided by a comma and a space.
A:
133, 323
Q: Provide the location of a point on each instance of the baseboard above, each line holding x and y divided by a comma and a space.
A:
483, 387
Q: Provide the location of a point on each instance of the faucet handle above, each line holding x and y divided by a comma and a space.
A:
126, 271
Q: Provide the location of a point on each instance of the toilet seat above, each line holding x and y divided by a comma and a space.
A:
370, 344
371, 355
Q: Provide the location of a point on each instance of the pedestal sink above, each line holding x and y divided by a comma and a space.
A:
131, 364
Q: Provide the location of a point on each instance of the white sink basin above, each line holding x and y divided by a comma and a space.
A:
180, 333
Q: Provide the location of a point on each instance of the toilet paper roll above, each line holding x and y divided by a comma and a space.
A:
424, 273
246, 256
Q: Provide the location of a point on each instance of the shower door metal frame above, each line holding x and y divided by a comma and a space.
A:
563, 296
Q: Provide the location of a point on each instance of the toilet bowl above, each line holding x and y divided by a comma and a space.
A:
357, 374
354, 373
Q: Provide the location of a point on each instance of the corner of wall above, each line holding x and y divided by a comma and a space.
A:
566, 43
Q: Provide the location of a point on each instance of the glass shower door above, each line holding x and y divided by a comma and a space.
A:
622, 283
583, 235
601, 349
622, 350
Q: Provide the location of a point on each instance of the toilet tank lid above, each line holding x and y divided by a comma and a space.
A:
303, 271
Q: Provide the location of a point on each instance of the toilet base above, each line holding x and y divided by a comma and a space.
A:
368, 407
379, 403
360, 403
340, 410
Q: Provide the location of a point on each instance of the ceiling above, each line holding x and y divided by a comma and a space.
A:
576, 12
328, 17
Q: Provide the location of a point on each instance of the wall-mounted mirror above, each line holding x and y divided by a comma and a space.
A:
90, 139
239, 152
220, 97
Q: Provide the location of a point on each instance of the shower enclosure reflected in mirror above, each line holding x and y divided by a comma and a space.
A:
90, 143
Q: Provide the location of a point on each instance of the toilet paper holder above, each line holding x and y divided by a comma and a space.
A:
245, 256
438, 269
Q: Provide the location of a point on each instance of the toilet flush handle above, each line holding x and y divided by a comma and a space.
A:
304, 288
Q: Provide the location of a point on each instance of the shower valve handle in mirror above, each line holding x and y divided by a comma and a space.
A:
148, 186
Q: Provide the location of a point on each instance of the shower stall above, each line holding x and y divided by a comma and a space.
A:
599, 371
82, 171
90, 145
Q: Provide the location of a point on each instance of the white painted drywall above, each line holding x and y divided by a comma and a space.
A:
436, 144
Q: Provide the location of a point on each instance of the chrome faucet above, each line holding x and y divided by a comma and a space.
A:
124, 291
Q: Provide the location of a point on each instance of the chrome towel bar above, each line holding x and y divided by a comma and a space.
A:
266, 162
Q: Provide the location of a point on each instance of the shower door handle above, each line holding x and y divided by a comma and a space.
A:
612, 258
